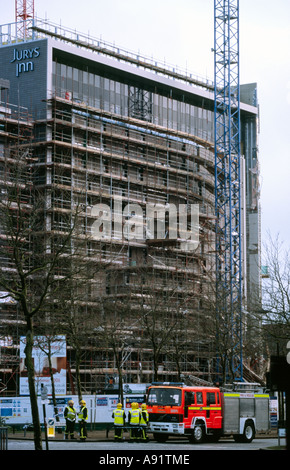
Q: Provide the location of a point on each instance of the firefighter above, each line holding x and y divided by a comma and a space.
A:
70, 415
83, 417
119, 416
144, 420
134, 422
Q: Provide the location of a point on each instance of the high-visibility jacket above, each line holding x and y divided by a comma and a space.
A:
144, 418
70, 413
83, 414
119, 417
134, 416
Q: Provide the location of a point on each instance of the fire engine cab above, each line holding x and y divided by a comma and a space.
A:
197, 412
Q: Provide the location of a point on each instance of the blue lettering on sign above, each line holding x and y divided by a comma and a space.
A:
23, 59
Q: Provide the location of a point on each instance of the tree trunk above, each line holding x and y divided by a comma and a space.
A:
121, 394
52, 385
78, 379
155, 363
31, 382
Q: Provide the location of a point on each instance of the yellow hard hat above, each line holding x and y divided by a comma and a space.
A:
83, 402
119, 405
70, 402
143, 406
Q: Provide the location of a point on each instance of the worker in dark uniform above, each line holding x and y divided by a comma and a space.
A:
119, 416
83, 417
70, 415
144, 420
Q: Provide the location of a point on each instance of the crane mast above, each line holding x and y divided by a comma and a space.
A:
228, 185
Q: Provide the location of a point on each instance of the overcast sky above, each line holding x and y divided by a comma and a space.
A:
182, 34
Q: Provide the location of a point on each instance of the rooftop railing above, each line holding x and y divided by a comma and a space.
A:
39, 29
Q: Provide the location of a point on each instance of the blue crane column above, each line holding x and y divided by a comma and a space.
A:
228, 185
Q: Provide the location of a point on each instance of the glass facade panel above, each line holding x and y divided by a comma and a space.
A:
114, 96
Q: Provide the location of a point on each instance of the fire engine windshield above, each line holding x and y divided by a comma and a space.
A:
164, 396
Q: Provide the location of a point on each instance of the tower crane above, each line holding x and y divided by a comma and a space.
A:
228, 183
24, 16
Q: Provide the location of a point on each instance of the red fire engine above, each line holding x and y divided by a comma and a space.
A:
197, 412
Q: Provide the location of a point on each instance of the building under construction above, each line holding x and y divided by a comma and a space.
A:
130, 142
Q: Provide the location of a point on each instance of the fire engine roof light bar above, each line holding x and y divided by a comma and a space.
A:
227, 179
175, 384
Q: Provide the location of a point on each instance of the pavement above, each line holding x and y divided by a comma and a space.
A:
142, 451
103, 440
99, 435
96, 436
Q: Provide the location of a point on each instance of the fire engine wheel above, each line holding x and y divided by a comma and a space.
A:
249, 432
197, 435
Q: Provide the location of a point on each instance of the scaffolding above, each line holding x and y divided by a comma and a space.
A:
15, 132
124, 156
96, 157
123, 146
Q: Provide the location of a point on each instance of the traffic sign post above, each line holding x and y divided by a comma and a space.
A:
44, 399
51, 427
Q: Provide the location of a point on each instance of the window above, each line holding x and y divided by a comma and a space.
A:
140, 174
199, 399
189, 398
164, 396
125, 170
210, 398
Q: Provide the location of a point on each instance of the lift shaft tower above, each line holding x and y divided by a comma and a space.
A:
228, 183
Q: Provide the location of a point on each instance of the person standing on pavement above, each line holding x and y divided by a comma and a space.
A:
144, 420
70, 415
83, 417
119, 416
134, 422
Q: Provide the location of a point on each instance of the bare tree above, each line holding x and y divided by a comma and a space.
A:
219, 320
158, 315
47, 344
32, 257
76, 323
114, 334
275, 320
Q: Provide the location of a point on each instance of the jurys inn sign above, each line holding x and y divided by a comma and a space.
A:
24, 59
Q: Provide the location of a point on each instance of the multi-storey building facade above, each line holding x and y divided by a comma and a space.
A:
121, 136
